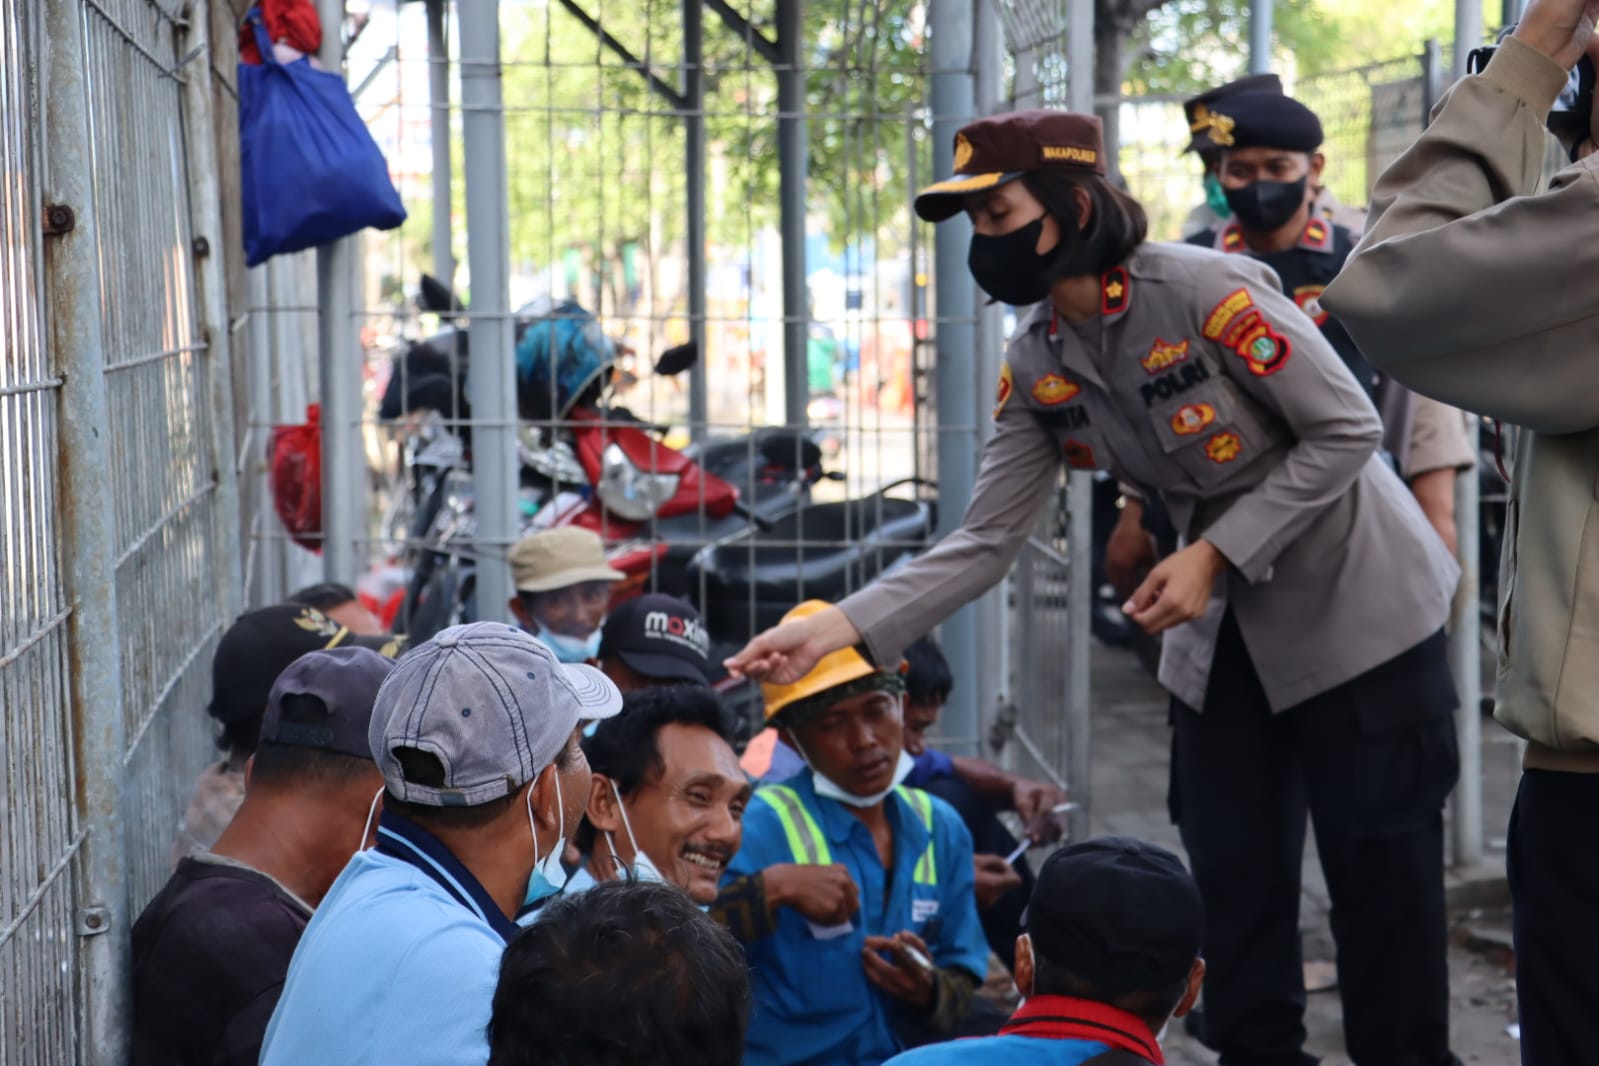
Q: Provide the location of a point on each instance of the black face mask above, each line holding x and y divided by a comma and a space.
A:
1009, 268
1265, 206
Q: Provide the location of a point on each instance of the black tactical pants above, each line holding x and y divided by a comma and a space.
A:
1372, 762
1554, 883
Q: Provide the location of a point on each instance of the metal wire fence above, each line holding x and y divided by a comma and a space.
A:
118, 510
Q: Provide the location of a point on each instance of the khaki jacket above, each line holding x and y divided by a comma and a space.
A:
1470, 286
1201, 381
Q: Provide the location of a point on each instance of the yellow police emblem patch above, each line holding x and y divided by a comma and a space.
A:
1223, 448
1225, 313
1007, 385
1192, 418
1163, 356
963, 152
1052, 390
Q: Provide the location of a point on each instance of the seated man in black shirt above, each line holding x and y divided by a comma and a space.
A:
211, 951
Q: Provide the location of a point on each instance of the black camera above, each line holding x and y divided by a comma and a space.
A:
1572, 116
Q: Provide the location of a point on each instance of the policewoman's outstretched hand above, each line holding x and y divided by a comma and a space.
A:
787, 652
1560, 29
1178, 589
907, 973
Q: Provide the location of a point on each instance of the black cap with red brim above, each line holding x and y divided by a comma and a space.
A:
992, 152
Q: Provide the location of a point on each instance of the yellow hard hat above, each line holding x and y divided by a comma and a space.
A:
836, 668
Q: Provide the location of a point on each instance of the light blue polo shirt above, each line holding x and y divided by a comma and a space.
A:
1046, 1031
398, 965
812, 1002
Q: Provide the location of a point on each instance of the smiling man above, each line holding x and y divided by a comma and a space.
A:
902, 950
668, 798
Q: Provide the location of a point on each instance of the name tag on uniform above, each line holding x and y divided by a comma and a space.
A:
923, 909
831, 932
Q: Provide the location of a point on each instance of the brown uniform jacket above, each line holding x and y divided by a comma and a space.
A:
1201, 381
1471, 286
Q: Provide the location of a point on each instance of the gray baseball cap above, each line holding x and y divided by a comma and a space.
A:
345, 682
491, 703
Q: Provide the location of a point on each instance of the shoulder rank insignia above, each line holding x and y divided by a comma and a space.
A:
1223, 447
1163, 356
1116, 291
1192, 418
1317, 233
1007, 385
1078, 455
1052, 390
1232, 238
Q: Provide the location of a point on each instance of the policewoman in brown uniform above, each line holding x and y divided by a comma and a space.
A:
1304, 649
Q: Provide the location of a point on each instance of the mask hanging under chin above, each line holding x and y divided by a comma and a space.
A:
826, 788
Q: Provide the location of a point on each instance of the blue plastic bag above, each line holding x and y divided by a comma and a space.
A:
311, 171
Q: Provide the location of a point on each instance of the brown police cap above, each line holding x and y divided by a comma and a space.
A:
993, 151
1198, 109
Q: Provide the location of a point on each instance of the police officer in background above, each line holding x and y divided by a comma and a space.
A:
1215, 209
1304, 614
1473, 285
1271, 166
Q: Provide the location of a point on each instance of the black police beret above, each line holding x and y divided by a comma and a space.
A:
1197, 109
1265, 120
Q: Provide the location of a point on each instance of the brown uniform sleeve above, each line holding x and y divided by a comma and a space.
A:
1335, 428
1019, 467
1467, 287
1438, 440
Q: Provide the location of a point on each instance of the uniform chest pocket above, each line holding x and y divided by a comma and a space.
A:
1209, 430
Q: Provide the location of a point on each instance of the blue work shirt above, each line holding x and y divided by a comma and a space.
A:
930, 765
398, 964
812, 1000
1045, 1031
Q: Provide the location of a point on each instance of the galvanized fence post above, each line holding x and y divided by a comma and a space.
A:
210, 276
1466, 654
491, 386
88, 549
343, 458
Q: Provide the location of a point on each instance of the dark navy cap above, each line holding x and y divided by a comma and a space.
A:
344, 684
1197, 110
659, 637
1265, 120
1118, 912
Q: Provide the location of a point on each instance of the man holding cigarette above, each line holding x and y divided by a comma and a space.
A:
904, 950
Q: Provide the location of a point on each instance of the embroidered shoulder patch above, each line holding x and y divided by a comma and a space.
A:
1223, 447
1308, 297
1259, 345
1163, 356
1052, 390
1226, 313
1007, 385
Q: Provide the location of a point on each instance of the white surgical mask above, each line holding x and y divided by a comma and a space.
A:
643, 868
569, 649
548, 876
826, 788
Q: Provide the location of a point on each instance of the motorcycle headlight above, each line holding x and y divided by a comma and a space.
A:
629, 492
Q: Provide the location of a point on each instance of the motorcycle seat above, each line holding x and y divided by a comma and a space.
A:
823, 551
